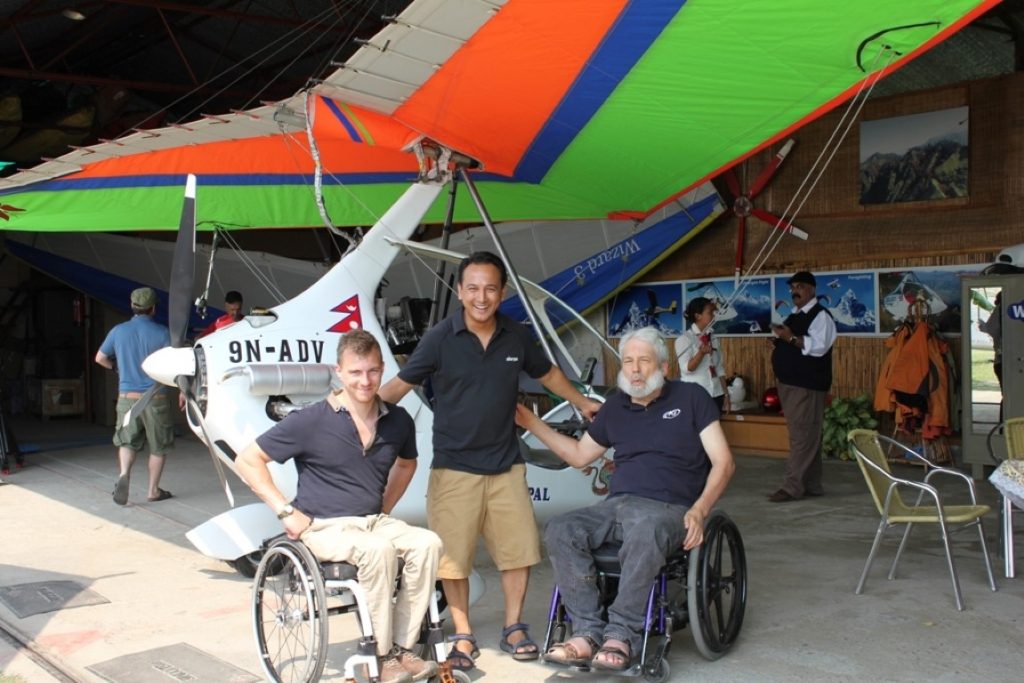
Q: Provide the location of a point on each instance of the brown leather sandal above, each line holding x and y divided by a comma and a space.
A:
568, 654
612, 657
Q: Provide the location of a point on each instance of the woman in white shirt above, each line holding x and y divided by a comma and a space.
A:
699, 354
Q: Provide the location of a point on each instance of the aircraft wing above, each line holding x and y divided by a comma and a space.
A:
575, 109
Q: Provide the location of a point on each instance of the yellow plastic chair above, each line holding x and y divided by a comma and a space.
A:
1013, 430
870, 448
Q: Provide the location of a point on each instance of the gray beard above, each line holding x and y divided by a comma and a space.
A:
653, 383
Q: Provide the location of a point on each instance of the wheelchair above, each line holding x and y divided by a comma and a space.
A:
293, 596
705, 588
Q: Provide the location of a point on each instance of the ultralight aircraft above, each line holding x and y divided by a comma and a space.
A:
546, 109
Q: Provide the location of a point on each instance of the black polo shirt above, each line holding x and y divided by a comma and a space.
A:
336, 478
658, 451
475, 391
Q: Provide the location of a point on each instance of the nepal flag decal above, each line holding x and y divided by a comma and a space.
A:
352, 319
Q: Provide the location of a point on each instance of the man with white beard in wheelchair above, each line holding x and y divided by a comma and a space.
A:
672, 463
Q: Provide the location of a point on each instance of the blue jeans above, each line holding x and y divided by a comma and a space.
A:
649, 531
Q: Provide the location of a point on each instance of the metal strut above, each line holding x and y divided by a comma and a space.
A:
446, 233
205, 296
513, 275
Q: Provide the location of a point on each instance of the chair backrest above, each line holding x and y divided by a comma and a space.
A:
866, 448
1014, 432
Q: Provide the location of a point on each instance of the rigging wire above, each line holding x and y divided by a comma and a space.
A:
309, 24
343, 40
250, 264
850, 115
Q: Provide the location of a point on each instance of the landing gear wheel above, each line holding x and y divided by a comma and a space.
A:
442, 601
289, 614
659, 675
246, 565
717, 587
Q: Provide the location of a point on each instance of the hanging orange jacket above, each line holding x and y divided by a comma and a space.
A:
911, 368
914, 381
884, 399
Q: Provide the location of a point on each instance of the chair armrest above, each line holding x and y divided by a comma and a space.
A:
932, 468
895, 482
956, 473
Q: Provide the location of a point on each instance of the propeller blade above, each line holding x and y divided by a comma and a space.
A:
770, 169
780, 223
652, 298
183, 268
732, 182
196, 413
741, 238
140, 405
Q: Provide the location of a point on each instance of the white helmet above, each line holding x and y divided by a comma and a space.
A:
1009, 260
737, 390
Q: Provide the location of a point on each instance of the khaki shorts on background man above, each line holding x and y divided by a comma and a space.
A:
156, 424
463, 506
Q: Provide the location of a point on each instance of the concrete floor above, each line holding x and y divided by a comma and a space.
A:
802, 621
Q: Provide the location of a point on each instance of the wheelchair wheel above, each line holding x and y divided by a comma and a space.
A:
717, 587
289, 614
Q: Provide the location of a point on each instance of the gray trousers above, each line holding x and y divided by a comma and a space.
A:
805, 413
649, 531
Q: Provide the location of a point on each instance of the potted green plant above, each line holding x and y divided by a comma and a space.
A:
842, 415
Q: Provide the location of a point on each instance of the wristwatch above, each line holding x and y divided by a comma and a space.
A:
285, 511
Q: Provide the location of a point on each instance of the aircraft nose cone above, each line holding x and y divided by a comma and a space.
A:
166, 364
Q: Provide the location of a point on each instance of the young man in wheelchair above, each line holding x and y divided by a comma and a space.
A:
672, 463
355, 456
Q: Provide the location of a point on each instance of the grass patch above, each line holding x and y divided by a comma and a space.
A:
983, 374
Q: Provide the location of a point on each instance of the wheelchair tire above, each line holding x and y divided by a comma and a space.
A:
717, 587
289, 614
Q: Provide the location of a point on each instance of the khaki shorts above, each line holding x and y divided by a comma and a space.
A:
462, 506
156, 424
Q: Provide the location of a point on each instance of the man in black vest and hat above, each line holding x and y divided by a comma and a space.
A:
802, 361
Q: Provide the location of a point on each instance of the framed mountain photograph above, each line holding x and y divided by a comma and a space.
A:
915, 158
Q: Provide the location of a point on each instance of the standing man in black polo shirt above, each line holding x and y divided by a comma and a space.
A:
355, 456
478, 482
802, 361
672, 464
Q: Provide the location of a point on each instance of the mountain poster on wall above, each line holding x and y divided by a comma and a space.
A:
914, 158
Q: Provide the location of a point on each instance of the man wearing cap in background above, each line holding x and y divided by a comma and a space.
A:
127, 345
802, 361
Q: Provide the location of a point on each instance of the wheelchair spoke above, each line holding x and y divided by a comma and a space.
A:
291, 631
